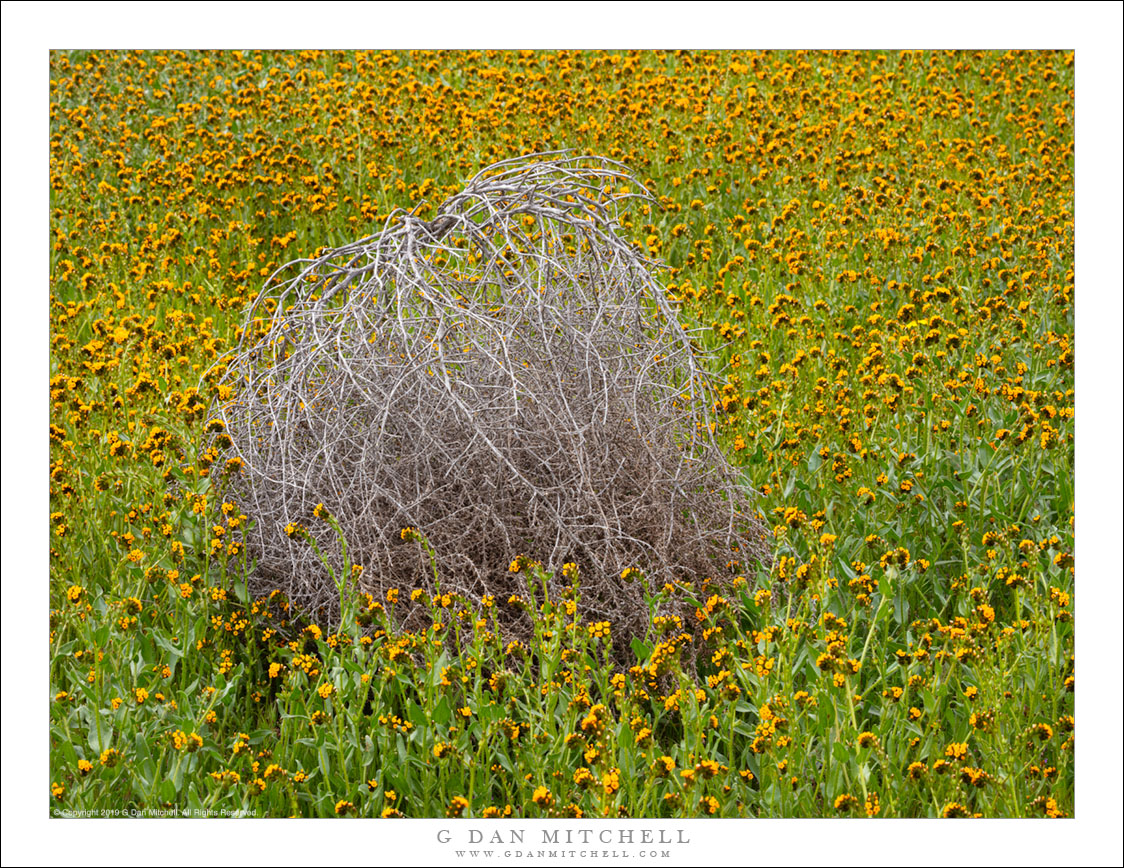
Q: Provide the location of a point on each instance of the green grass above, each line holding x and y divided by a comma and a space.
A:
881, 247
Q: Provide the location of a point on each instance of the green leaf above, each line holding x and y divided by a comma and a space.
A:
106, 733
825, 717
901, 609
147, 649
641, 649
141, 750
416, 715
62, 740
442, 714
178, 772
167, 645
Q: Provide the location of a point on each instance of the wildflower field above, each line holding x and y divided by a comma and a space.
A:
877, 247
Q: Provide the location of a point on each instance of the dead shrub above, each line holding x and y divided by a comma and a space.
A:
510, 379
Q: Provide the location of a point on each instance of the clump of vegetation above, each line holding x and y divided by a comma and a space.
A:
506, 378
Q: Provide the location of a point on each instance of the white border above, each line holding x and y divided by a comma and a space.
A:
30, 29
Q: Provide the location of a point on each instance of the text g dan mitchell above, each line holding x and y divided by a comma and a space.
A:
564, 836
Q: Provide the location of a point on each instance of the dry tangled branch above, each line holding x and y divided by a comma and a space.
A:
508, 378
